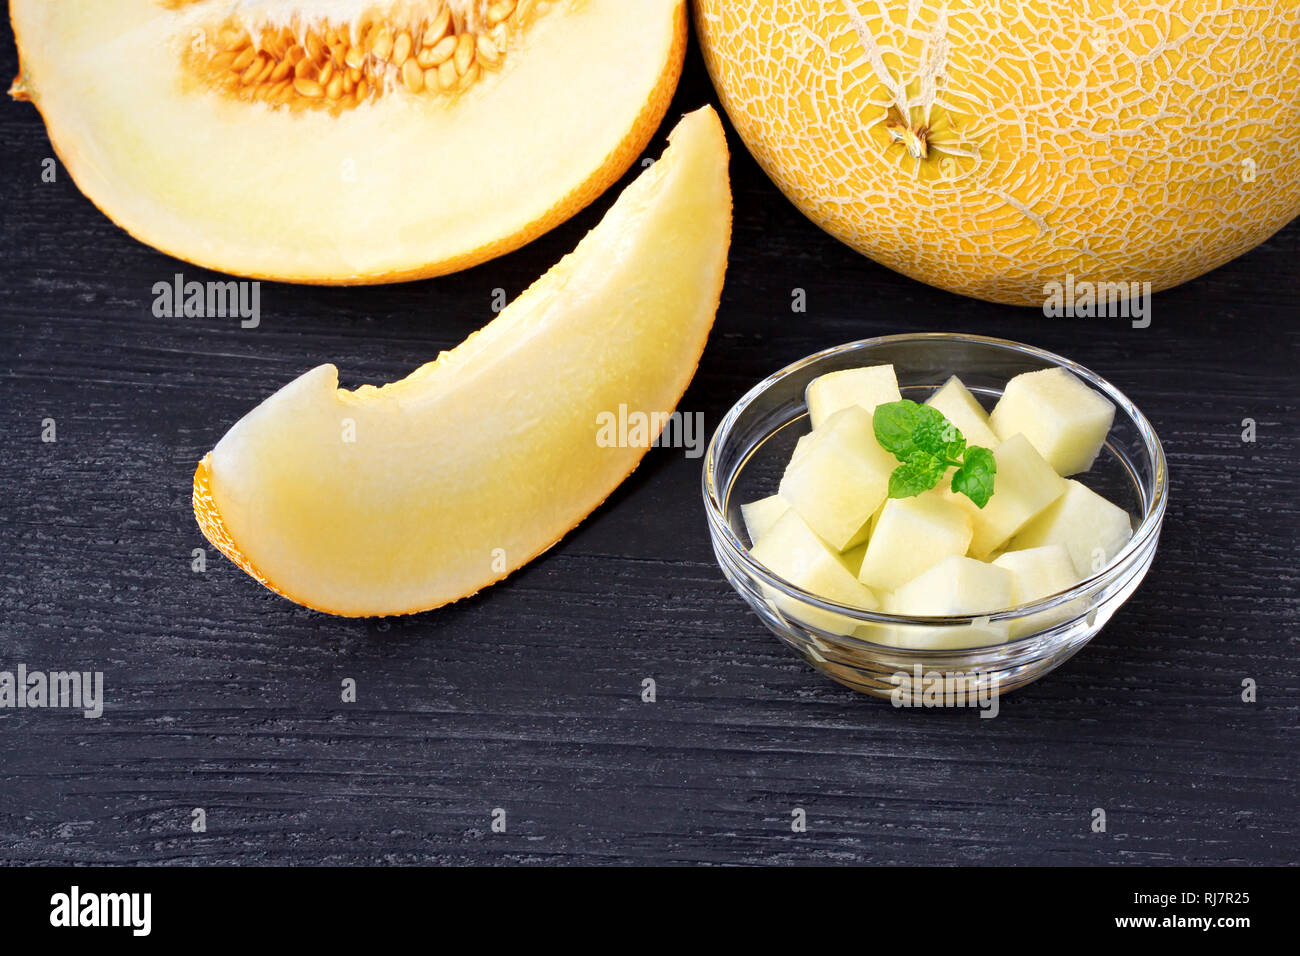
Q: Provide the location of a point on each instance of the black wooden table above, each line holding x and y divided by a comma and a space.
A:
527, 698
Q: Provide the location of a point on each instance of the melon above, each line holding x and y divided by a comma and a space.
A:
1065, 420
955, 587
1024, 486
1038, 573
760, 515
995, 147
867, 387
965, 412
347, 141
911, 535
842, 478
401, 498
1093, 529
791, 550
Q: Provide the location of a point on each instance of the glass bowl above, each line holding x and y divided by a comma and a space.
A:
886, 655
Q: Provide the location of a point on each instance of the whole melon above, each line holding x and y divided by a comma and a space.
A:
994, 147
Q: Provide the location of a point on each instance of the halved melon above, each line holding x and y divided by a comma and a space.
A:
346, 141
401, 498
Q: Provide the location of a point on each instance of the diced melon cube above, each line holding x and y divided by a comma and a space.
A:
792, 551
1023, 486
955, 586
841, 479
963, 409
864, 387
762, 514
1091, 528
1061, 416
1037, 573
910, 536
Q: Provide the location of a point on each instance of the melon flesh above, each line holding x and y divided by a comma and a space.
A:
1093, 529
1024, 485
762, 514
909, 536
955, 586
843, 477
865, 387
1061, 416
401, 185
965, 412
792, 551
1037, 573
402, 498
801, 445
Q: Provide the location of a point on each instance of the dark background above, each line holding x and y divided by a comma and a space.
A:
223, 696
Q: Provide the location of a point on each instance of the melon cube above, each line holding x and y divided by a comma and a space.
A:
864, 387
762, 514
1091, 528
956, 585
963, 409
791, 550
1037, 573
801, 445
1024, 485
841, 479
912, 535
1061, 416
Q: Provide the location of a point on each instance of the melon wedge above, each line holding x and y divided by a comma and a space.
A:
397, 499
303, 141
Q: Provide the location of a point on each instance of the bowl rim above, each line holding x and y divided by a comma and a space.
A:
1147, 530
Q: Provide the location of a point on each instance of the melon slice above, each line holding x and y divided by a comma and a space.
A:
402, 498
351, 141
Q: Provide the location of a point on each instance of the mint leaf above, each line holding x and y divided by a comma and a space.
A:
894, 424
937, 436
919, 473
974, 478
927, 445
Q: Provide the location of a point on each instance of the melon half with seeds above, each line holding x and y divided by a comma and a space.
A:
346, 141
996, 147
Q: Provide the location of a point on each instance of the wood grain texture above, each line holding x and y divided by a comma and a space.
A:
527, 697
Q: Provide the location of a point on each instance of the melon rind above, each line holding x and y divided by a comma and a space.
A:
1070, 141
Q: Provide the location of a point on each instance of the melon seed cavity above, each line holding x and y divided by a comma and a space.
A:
342, 65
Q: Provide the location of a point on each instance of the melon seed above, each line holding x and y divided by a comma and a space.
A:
341, 65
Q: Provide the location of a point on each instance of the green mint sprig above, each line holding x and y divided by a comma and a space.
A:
927, 445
